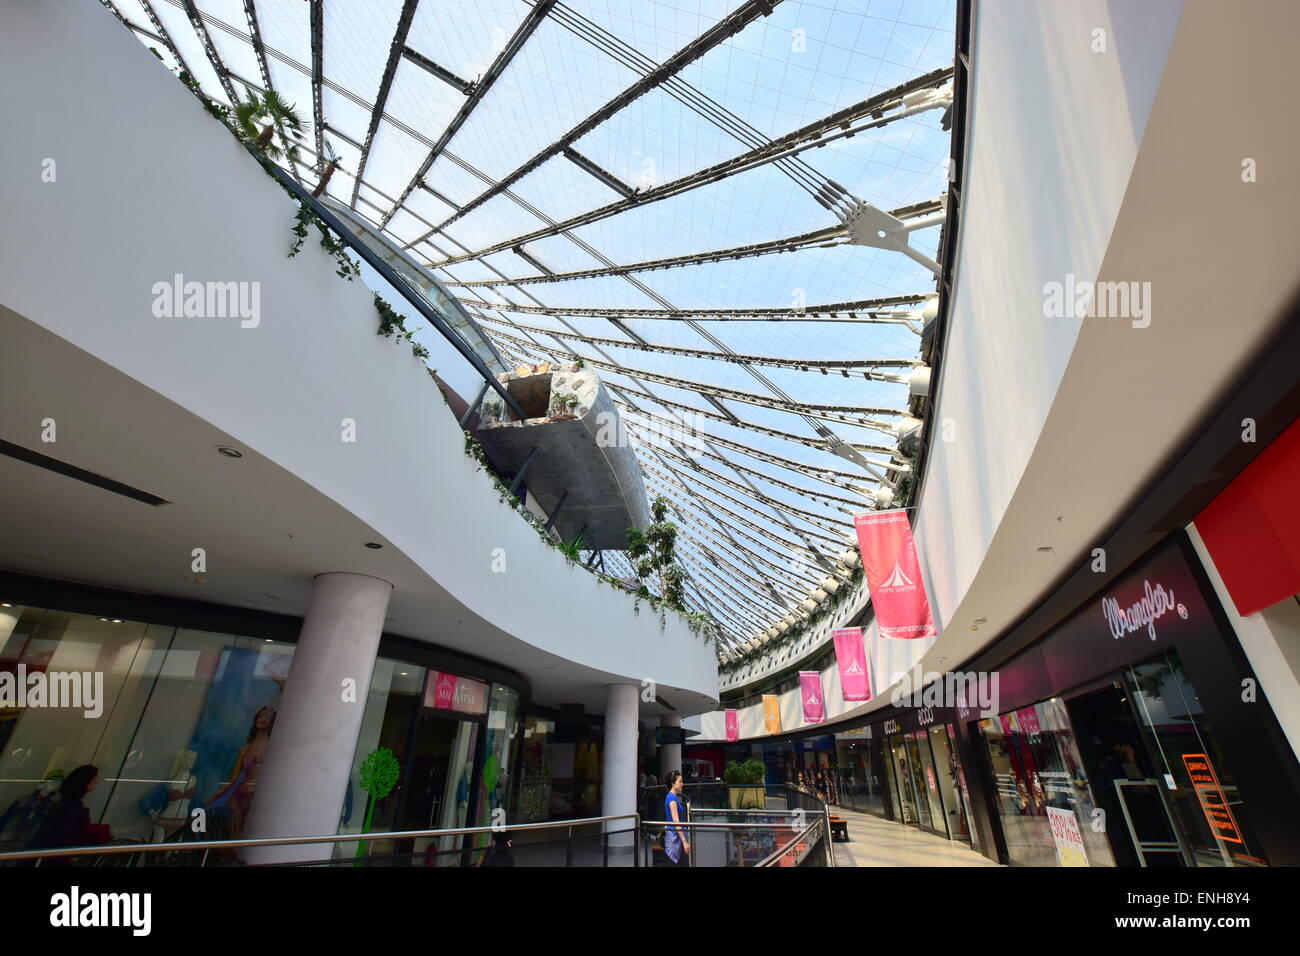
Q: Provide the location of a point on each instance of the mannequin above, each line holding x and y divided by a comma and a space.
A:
180, 791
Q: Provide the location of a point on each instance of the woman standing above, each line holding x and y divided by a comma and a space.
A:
69, 823
676, 846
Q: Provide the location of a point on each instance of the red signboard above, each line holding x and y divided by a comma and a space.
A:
1252, 529
443, 691
1213, 803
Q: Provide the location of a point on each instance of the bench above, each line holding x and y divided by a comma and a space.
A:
839, 829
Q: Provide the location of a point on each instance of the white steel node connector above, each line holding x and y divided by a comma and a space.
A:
868, 226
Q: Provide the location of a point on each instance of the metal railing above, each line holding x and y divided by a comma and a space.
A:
600, 845
746, 838
811, 846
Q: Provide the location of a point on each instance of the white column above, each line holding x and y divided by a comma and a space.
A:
304, 775
618, 782
670, 755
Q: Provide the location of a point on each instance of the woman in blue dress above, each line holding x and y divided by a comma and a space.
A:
676, 846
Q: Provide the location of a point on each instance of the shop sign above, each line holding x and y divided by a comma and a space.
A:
1213, 803
1067, 836
893, 575
1155, 603
891, 726
733, 725
929, 778
443, 691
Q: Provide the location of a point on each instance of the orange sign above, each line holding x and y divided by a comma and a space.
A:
1213, 803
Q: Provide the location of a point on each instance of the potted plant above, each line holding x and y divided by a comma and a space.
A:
744, 781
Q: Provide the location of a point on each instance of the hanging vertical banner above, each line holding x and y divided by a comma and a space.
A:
851, 657
772, 713
894, 575
733, 725
810, 689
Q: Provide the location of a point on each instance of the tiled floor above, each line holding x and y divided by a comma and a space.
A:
877, 842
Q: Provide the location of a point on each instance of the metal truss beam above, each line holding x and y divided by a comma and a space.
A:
475, 95
845, 123
723, 30
385, 84
864, 311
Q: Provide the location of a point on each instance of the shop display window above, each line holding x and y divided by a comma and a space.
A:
1045, 803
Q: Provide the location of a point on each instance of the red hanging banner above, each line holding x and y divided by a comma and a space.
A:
894, 575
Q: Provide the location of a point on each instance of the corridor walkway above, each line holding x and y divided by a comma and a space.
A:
877, 842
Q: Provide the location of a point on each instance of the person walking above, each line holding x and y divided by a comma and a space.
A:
676, 845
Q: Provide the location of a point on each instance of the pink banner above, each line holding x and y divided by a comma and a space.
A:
810, 688
894, 575
733, 725
851, 657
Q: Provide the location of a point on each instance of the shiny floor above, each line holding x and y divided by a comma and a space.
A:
877, 842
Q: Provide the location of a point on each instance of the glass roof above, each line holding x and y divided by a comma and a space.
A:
677, 193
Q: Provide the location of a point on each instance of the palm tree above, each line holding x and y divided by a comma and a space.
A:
328, 163
278, 115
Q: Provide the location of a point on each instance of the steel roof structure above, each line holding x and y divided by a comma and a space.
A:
732, 210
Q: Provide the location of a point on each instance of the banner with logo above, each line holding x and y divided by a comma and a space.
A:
810, 689
733, 725
772, 713
851, 658
894, 575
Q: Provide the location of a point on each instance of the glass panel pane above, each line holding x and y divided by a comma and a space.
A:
1206, 804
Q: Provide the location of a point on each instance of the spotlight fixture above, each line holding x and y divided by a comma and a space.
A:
229, 452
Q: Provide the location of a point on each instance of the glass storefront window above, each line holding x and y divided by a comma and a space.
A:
494, 780
949, 784
185, 717
395, 695
532, 803
1044, 800
1206, 806
928, 783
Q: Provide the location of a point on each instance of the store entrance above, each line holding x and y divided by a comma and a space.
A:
1110, 746
438, 795
1157, 763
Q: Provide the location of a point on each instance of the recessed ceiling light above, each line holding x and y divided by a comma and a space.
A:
373, 545
1045, 550
229, 452
5, 604
403, 673
268, 640
274, 597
